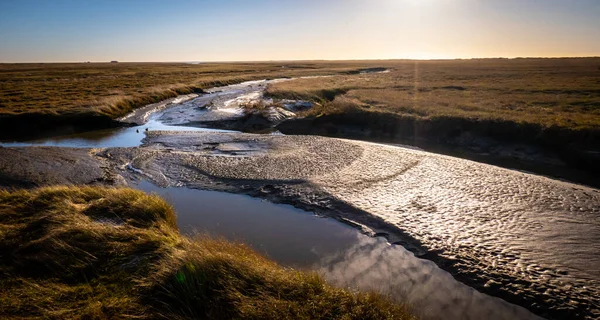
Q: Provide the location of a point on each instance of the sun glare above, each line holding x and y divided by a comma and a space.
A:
416, 2
426, 56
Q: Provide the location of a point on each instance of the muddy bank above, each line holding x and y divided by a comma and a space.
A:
348, 260
505, 233
340, 253
141, 115
556, 152
126, 112
238, 107
30, 126
43, 166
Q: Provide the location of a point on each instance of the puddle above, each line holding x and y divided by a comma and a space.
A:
344, 256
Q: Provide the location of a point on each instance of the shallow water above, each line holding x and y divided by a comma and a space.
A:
217, 104
107, 138
178, 114
343, 255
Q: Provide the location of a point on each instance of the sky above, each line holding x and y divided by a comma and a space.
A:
253, 30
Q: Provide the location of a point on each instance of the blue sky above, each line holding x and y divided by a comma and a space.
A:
186, 30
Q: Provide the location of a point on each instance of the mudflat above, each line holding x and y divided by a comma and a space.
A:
539, 115
507, 233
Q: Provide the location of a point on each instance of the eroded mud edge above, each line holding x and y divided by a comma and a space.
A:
168, 160
115, 167
327, 206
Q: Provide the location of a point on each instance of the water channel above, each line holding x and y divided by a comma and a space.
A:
296, 238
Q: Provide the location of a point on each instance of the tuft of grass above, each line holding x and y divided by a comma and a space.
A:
104, 253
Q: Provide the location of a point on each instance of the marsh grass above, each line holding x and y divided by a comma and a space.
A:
115, 89
104, 253
546, 92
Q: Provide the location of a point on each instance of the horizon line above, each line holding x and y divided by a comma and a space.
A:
311, 60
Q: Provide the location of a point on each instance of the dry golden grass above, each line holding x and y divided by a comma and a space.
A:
547, 92
115, 89
102, 253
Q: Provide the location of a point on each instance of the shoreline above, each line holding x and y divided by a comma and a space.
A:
99, 252
540, 151
538, 155
159, 160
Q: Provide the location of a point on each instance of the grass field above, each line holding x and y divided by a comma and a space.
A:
113, 89
101, 253
39, 100
547, 92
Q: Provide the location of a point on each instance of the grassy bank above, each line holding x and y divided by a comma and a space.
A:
547, 92
85, 252
553, 104
62, 98
46, 97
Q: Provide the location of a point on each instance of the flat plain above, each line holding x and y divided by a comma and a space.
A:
561, 92
548, 92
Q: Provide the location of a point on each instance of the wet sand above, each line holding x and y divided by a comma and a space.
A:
340, 253
525, 238
41, 166
528, 239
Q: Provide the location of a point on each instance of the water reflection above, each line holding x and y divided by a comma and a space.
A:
372, 264
261, 224
181, 115
107, 138
341, 254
